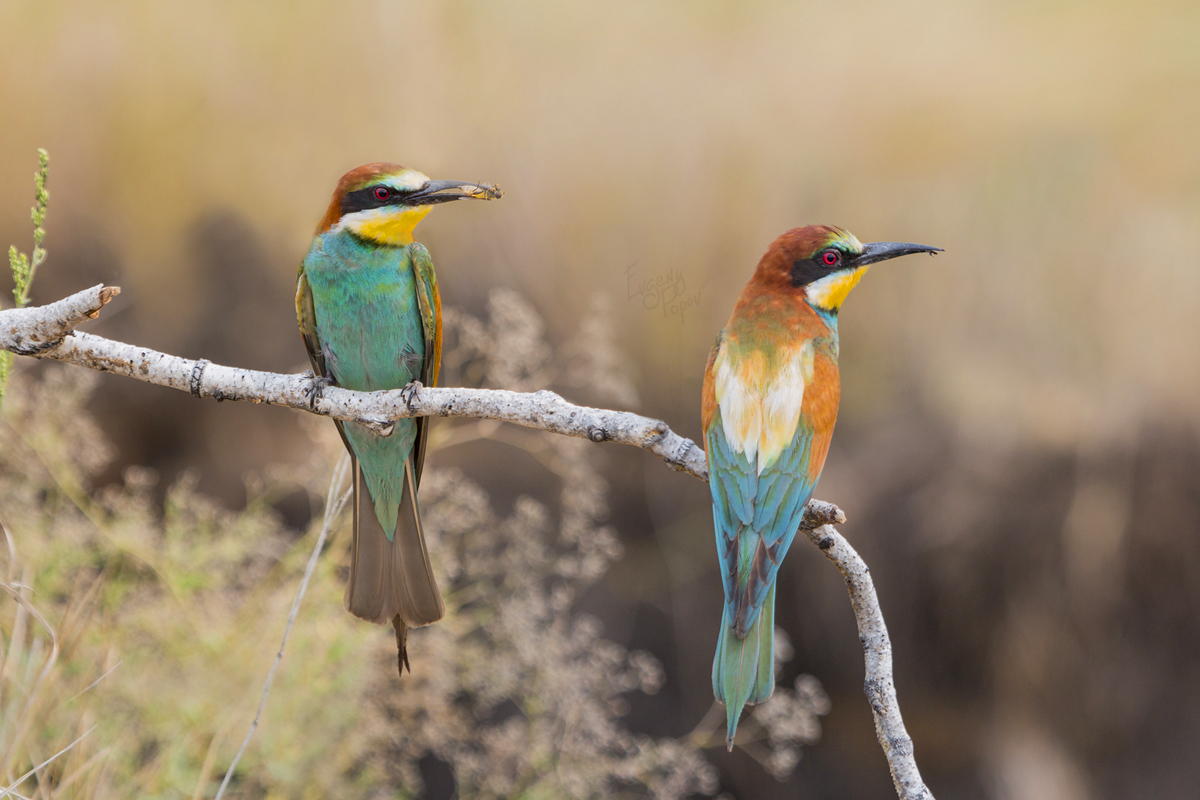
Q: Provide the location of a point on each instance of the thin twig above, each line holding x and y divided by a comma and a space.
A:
24, 719
33, 330
12, 550
26, 776
80, 771
877, 654
102, 677
332, 509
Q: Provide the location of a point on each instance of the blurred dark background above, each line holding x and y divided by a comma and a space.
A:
1017, 451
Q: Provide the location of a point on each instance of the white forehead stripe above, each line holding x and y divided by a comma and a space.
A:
407, 180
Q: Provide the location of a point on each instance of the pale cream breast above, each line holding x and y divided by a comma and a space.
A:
760, 399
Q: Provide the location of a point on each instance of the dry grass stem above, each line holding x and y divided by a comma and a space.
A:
332, 510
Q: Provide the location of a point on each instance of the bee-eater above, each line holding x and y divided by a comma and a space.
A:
369, 311
770, 400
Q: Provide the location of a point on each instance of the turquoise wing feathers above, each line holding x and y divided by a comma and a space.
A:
755, 517
306, 318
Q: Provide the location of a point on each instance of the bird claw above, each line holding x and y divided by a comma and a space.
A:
409, 394
316, 388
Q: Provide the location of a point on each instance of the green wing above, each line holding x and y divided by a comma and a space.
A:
430, 303
306, 318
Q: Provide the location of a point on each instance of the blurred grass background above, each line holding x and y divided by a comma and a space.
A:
1018, 448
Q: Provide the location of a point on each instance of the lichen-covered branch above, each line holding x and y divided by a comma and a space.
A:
35, 331
877, 653
48, 332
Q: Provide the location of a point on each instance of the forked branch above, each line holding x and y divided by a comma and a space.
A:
49, 332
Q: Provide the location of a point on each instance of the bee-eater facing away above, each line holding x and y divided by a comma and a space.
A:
369, 311
770, 400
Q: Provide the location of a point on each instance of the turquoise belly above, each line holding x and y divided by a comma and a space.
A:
369, 326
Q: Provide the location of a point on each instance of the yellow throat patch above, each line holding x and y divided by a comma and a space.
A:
830, 292
390, 225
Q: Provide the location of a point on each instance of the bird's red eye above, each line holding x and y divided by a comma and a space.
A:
381, 193
829, 258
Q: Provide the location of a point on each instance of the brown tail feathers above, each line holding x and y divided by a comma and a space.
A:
391, 581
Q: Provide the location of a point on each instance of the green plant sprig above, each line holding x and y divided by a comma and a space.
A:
24, 267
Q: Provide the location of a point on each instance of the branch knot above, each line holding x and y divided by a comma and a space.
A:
197, 375
40, 348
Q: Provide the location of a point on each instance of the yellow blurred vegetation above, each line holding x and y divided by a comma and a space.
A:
154, 629
1049, 147
148, 631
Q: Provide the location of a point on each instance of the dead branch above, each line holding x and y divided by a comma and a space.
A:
49, 332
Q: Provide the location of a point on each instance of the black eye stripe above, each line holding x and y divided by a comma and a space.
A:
806, 270
363, 199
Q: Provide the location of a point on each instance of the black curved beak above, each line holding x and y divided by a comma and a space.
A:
882, 251
445, 191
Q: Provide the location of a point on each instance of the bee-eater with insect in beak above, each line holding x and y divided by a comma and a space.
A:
770, 400
369, 311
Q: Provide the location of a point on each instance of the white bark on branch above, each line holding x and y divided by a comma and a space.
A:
33, 331
48, 332
877, 653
